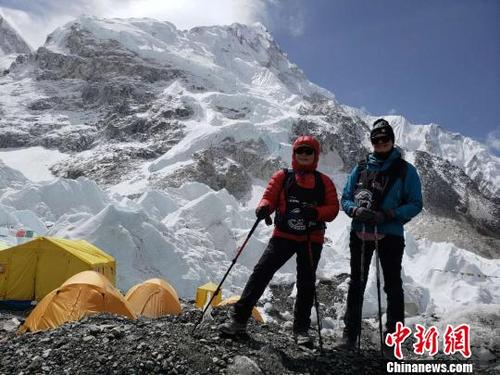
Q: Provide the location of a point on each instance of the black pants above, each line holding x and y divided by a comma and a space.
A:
391, 255
278, 251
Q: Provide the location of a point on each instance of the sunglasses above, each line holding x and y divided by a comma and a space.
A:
304, 150
383, 139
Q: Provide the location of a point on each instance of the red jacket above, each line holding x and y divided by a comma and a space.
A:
274, 195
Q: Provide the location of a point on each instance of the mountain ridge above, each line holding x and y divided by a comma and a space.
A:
11, 44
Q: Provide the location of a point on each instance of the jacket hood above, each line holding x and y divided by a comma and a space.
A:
306, 140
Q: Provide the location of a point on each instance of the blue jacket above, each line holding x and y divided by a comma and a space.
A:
405, 200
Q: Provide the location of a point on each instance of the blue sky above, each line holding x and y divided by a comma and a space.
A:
428, 60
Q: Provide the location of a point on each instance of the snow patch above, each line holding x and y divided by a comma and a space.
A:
33, 162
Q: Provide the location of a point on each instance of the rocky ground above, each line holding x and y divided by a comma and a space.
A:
107, 344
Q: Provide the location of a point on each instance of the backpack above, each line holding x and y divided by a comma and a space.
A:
296, 198
372, 186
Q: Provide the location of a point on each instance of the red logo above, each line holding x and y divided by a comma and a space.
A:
397, 338
457, 340
426, 340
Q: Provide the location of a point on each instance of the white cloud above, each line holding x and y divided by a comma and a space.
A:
286, 15
493, 140
296, 25
188, 13
393, 111
35, 20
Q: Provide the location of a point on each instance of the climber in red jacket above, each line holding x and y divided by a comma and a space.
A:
303, 199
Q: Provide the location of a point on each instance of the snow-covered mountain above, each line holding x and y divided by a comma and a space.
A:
463, 152
163, 140
11, 44
138, 104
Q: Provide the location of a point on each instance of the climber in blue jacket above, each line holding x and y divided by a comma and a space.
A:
382, 193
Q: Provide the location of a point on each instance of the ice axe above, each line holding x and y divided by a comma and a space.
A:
227, 273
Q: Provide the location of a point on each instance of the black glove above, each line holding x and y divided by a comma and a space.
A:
378, 218
309, 213
262, 212
364, 214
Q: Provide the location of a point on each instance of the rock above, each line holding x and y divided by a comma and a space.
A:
495, 341
485, 355
11, 325
243, 365
328, 323
11, 138
117, 333
229, 165
36, 363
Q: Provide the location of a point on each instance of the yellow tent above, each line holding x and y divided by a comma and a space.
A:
33, 269
205, 292
153, 298
85, 293
233, 299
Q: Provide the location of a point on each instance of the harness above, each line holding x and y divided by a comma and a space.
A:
372, 186
296, 198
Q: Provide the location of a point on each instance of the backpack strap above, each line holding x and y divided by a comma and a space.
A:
363, 171
401, 169
287, 182
318, 184
289, 174
397, 170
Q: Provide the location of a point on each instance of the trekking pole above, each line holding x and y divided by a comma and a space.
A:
227, 273
361, 288
378, 293
316, 303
